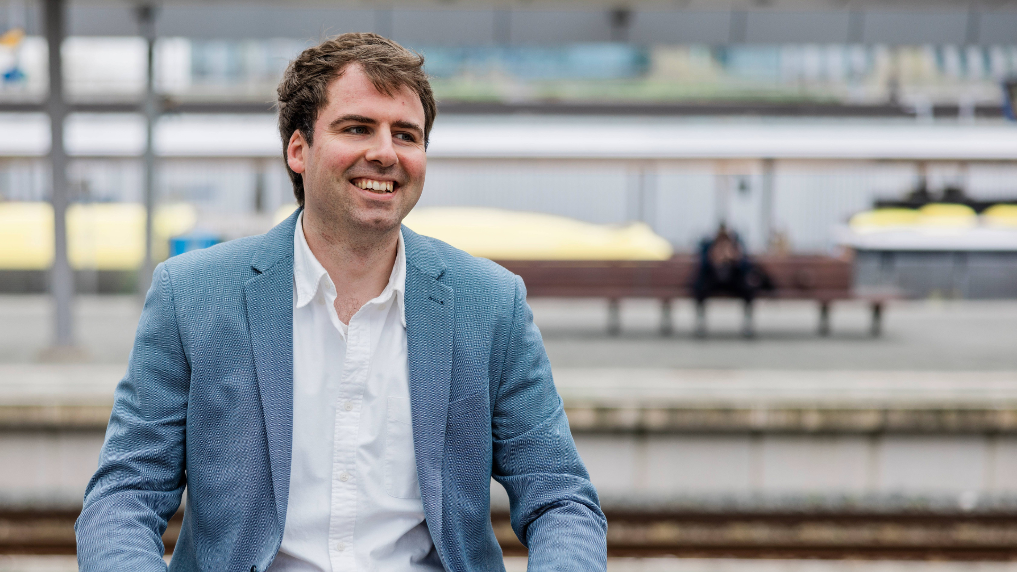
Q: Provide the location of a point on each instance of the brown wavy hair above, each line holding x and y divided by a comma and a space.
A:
303, 91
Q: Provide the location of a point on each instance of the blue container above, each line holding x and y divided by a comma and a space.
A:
191, 241
1010, 99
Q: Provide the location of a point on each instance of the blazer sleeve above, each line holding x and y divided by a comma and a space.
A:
140, 478
555, 511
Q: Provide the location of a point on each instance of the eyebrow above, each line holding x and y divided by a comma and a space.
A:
353, 118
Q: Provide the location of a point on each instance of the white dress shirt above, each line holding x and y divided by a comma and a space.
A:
354, 501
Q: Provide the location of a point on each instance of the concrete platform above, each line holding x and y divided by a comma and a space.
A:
926, 416
932, 335
644, 399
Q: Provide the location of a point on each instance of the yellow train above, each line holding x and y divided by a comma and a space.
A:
100, 236
111, 236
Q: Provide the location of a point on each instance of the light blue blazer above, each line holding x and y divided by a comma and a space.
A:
206, 407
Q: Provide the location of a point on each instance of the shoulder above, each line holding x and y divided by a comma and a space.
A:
458, 268
221, 266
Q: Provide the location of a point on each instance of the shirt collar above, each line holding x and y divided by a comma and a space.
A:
396, 287
309, 275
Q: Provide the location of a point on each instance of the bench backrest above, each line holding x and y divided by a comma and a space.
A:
808, 275
797, 276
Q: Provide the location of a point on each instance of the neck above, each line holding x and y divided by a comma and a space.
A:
359, 264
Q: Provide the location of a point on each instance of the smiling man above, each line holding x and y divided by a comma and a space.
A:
336, 395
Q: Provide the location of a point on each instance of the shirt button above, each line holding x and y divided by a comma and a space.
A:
340, 546
344, 476
348, 406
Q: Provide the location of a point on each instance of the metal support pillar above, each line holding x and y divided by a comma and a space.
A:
620, 20
666, 321
876, 327
502, 27
824, 318
737, 27
766, 208
151, 110
260, 182
721, 192
613, 317
856, 26
61, 278
748, 325
700, 328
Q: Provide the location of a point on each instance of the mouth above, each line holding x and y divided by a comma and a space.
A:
375, 185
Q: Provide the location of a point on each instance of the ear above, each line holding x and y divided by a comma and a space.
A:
295, 150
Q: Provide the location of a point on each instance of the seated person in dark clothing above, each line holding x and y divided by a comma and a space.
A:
725, 270
722, 267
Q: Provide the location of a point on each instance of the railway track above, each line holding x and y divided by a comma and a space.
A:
908, 535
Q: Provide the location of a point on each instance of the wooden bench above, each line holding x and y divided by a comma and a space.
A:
795, 277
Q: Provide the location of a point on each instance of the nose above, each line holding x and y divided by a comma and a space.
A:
381, 151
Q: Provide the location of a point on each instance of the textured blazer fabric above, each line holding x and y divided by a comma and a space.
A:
206, 410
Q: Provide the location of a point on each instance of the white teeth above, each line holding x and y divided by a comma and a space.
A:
372, 185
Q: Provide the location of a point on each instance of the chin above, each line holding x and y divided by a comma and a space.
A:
375, 224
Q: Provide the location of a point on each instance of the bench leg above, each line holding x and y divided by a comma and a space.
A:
700, 331
876, 328
613, 317
666, 323
824, 318
748, 329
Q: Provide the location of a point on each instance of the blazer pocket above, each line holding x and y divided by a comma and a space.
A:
400, 460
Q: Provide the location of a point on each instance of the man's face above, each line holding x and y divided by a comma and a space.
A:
365, 169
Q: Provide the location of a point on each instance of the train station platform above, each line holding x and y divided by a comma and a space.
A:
706, 447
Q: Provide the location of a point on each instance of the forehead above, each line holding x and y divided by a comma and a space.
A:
353, 93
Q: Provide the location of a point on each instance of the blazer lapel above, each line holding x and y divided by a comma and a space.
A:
269, 301
429, 332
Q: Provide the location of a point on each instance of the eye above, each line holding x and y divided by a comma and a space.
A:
406, 136
357, 130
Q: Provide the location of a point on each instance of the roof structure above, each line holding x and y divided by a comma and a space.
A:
530, 22
543, 138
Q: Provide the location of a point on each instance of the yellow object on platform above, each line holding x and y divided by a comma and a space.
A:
946, 215
882, 219
100, 236
1001, 216
26, 236
511, 235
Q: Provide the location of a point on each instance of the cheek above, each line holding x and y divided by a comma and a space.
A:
338, 162
416, 166
334, 160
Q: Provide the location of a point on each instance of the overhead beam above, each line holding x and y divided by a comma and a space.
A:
760, 108
544, 22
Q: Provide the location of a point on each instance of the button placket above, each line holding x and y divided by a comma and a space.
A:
347, 426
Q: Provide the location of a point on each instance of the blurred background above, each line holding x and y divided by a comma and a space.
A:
860, 155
